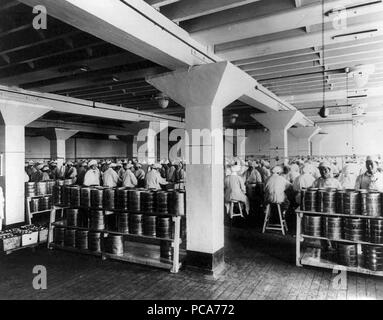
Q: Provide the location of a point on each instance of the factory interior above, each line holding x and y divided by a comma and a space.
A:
191, 149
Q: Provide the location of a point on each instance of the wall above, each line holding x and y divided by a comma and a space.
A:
39, 148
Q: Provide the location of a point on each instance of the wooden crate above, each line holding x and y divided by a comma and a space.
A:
10, 243
29, 239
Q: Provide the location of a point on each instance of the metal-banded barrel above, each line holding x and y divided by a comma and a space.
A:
373, 257
319, 205
75, 196
56, 195
351, 202
163, 227
115, 244
166, 250
122, 201
147, 202
363, 201
303, 195
96, 198
162, 202
72, 217
347, 254
329, 201
41, 188
123, 222
150, 226
97, 220
59, 236
94, 241
45, 203
134, 200
85, 197
177, 202
310, 199
332, 227
339, 201
70, 238
136, 224
109, 198
65, 195
50, 184
30, 189
34, 205
374, 230
82, 239
312, 225
354, 229
373, 204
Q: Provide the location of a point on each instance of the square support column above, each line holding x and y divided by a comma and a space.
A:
14, 118
204, 91
57, 138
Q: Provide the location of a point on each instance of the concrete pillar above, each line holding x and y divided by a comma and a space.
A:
204, 91
57, 138
316, 142
14, 118
278, 123
304, 136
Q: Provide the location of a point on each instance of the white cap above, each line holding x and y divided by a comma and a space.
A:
92, 163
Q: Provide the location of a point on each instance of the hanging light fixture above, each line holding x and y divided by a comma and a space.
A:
162, 100
323, 112
233, 118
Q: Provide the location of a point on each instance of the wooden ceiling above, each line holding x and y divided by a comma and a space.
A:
278, 42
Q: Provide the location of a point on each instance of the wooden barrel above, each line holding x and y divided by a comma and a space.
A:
363, 202
135, 224
70, 238
50, 184
41, 188
75, 196
347, 254
319, 205
373, 204
329, 204
150, 226
97, 220
45, 203
373, 257
163, 227
332, 227
134, 200
56, 195
94, 241
34, 205
339, 200
147, 202
123, 222
30, 189
351, 202
354, 229
109, 198
72, 217
310, 199
166, 250
302, 197
59, 236
96, 198
85, 197
374, 230
65, 195
312, 225
162, 202
115, 244
122, 201
82, 239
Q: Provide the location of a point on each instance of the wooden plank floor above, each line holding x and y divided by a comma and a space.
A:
257, 267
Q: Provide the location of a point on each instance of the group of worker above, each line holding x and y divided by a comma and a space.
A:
125, 173
283, 183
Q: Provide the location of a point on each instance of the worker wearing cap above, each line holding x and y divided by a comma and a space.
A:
45, 170
180, 176
264, 170
170, 175
235, 189
70, 172
139, 173
326, 180
348, 176
37, 175
371, 179
54, 170
110, 176
122, 170
276, 187
304, 181
81, 172
92, 176
153, 179
129, 180
30, 169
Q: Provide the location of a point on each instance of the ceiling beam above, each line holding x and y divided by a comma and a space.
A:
185, 9
160, 3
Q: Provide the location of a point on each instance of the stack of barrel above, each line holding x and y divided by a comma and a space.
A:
82, 239
75, 196
96, 220
147, 202
109, 198
136, 224
123, 222
30, 189
96, 198
94, 241
41, 188
122, 201
85, 197
56, 194
373, 257
162, 202
115, 244
134, 196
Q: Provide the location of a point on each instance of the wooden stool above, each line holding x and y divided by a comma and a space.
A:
282, 222
232, 214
